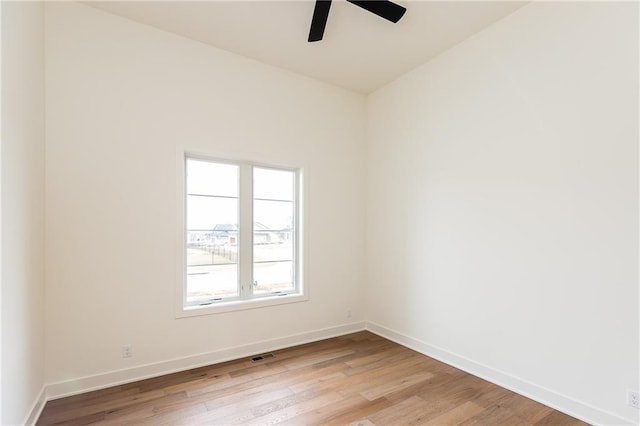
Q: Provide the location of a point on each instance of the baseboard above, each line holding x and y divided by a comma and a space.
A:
555, 400
141, 372
37, 407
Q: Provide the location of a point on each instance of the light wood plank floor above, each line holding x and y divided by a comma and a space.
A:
357, 379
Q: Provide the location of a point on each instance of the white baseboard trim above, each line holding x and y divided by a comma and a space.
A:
118, 377
545, 396
555, 400
37, 407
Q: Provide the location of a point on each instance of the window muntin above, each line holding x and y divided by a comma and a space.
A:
241, 235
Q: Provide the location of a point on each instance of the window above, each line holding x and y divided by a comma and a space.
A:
241, 234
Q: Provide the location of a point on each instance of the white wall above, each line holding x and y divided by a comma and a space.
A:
502, 198
22, 208
121, 99
503, 205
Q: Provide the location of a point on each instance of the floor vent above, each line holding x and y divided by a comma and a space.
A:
261, 357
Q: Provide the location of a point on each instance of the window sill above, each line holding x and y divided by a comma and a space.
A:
239, 305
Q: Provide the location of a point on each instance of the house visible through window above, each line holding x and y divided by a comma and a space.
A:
242, 236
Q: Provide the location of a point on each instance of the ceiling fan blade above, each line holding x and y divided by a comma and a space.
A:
383, 8
319, 20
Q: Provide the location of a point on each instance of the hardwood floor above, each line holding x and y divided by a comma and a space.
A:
359, 379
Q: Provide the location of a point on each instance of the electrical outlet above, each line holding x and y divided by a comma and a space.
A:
633, 398
348, 313
127, 351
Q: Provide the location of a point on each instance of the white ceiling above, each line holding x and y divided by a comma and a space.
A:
360, 51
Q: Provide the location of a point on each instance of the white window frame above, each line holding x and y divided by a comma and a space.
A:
246, 300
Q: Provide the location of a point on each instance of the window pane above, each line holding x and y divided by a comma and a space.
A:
209, 282
273, 236
273, 184
269, 246
204, 177
272, 215
270, 277
212, 231
212, 247
211, 213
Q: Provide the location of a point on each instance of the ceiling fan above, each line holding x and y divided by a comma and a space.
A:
383, 8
